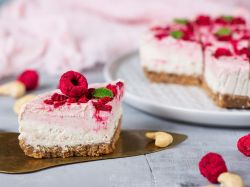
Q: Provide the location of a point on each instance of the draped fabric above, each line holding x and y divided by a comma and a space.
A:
57, 35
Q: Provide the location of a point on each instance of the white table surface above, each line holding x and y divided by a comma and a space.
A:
175, 167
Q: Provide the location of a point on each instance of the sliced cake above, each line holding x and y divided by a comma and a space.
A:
226, 77
76, 120
171, 54
210, 52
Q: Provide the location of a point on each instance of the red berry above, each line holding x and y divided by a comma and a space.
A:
222, 52
30, 79
73, 84
203, 20
211, 166
244, 145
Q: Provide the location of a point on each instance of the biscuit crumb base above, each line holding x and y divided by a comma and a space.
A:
172, 78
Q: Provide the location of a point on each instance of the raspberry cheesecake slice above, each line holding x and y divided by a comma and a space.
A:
76, 120
172, 54
227, 78
210, 52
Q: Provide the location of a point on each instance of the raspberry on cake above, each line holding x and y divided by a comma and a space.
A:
77, 120
214, 54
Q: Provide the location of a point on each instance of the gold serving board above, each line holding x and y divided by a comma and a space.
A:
131, 143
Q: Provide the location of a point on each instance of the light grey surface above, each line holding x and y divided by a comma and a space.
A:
176, 167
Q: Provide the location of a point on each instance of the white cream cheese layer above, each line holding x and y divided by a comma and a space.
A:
35, 134
171, 56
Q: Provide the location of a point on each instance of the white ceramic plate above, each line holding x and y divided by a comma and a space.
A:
183, 103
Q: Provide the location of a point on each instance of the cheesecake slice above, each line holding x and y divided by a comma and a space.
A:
227, 77
213, 53
171, 54
76, 120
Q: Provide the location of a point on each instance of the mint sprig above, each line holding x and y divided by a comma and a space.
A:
224, 31
227, 18
181, 21
177, 34
102, 92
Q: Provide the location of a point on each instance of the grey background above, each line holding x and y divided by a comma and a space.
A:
173, 167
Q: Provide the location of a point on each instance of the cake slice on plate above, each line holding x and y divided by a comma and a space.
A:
172, 54
226, 76
76, 120
213, 52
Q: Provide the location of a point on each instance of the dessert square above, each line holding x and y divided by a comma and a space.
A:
165, 58
76, 120
212, 53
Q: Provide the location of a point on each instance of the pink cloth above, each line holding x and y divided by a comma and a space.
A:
58, 35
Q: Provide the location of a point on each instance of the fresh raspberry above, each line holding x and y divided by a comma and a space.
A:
58, 97
83, 99
211, 166
112, 88
203, 20
244, 145
101, 106
29, 78
73, 84
48, 102
222, 52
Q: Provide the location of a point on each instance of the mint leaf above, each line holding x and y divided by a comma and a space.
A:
224, 31
177, 34
181, 21
102, 92
227, 18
